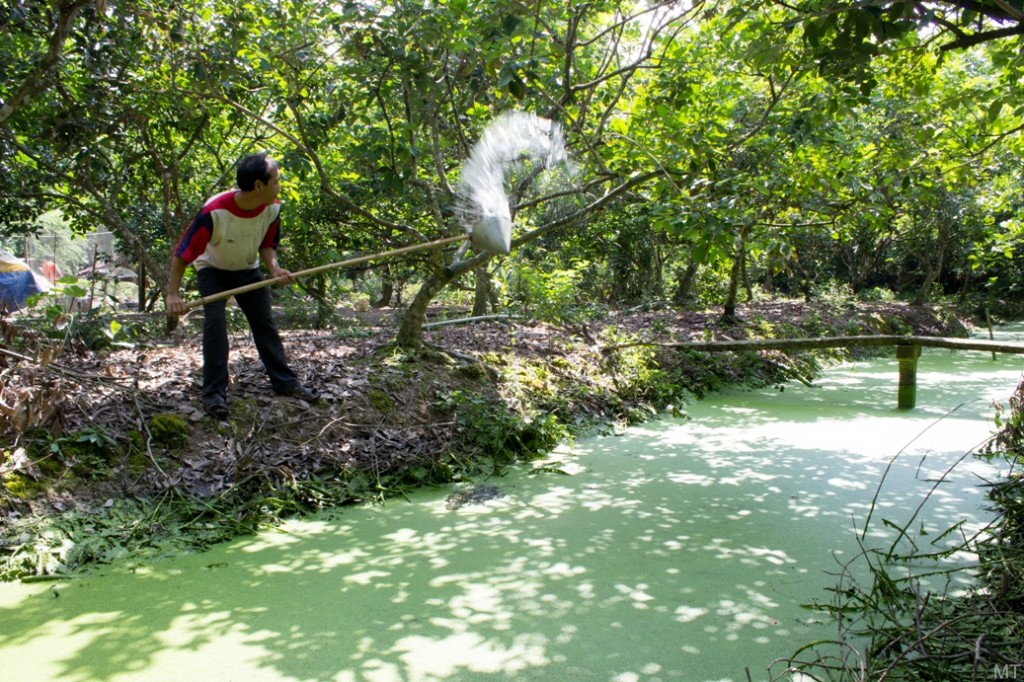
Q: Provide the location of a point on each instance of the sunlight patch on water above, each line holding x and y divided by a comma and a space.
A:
691, 479
428, 659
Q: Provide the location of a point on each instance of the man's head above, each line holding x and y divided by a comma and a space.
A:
258, 173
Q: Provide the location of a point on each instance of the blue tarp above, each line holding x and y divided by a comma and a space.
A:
17, 283
15, 287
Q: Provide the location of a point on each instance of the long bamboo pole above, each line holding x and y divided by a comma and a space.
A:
830, 342
908, 351
324, 268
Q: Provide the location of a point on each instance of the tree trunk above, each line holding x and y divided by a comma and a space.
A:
140, 252
387, 292
482, 294
387, 287
324, 310
142, 286
932, 274
729, 309
934, 261
111, 218
807, 287
410, 334
684, 285
747, 286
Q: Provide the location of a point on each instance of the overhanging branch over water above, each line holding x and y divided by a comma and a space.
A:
830, 342
908, 350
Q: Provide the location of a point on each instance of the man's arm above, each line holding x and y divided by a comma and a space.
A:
175, 306
269, 257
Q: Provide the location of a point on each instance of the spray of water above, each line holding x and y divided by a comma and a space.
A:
510, 141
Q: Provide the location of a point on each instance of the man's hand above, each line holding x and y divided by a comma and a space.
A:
269, 258
175, 306
285, 276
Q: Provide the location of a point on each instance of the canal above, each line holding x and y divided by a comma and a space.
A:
684, 549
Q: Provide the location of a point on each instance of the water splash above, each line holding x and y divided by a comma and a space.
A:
510, 141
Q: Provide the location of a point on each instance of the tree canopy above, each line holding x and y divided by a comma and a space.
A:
717, 148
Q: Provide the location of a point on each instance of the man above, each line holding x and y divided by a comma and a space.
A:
51, 271
225, 242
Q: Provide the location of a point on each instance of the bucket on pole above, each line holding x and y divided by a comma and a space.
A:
492, 233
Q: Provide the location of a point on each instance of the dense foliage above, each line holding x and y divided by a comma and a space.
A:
719, 148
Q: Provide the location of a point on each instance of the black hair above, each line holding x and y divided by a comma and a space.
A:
252, 168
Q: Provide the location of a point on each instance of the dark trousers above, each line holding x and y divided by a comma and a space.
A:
256, 306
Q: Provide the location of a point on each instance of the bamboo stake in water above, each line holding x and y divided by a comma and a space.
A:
988, 320
324, 268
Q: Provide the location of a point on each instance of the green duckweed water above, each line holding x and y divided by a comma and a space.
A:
681, 550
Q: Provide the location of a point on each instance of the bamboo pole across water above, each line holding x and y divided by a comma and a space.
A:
324, 268
908, 351
830, 342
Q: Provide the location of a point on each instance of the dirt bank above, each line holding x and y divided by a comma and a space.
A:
382, 410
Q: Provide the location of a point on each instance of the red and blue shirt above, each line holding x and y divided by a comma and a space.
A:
227, 237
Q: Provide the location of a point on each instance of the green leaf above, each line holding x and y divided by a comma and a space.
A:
995, 108
75, 290
509, 24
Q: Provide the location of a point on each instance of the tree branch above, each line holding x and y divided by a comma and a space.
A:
966, 40
35, 82
595, 205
